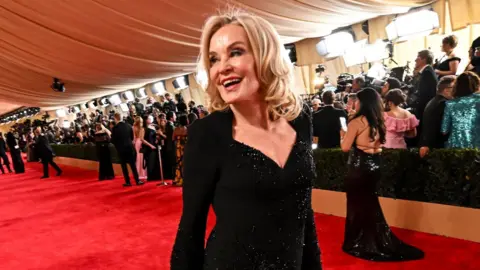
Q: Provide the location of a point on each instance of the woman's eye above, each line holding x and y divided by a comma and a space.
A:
213, 60
236, 52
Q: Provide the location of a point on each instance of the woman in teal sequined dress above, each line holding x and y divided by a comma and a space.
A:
461, 119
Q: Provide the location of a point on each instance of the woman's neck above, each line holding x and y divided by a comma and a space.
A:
448, 53
252, 114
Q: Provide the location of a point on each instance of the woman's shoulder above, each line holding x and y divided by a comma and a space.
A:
212, 124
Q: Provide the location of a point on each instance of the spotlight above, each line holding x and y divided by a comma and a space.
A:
181, 82
58, 86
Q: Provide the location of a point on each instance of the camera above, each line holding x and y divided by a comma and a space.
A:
343, 80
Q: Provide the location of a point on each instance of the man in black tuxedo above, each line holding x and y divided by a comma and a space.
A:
170, 156
425, 88
44, 151
3, 155
122, 138
326, 122
431, 136
169, 105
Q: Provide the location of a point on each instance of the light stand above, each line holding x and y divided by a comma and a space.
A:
163, 183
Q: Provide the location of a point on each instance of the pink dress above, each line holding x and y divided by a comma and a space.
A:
396, 129
142, 173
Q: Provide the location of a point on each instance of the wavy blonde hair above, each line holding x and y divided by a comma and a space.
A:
273, 68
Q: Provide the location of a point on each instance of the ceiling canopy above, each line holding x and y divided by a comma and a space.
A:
99, 47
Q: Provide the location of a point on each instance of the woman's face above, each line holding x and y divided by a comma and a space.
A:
163, 122
357, 105
232, 65
445, 47
385, 88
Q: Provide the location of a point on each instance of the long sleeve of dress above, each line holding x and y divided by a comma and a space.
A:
198, 188
447, 119
311, 251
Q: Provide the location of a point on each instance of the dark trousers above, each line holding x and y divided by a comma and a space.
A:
130, 159
50, 161
6, 162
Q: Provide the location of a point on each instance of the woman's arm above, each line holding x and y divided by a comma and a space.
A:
311, 250
159, 132
411, 133
200, 175
348, 138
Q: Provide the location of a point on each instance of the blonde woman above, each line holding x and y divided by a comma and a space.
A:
139, 141
250, 159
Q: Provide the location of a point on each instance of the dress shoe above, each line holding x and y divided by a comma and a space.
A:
59, 173
44, 177
127, 185
139, 183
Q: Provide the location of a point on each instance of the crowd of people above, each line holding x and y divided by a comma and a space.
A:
440, 112
158, 136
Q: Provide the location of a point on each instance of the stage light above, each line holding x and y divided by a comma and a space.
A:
140, 93
66, 124
180, 82
92, 104
61, 113
355, 54
115, 100
128, 96
335, 44
103, 102
159, 88
421, 22
124, 107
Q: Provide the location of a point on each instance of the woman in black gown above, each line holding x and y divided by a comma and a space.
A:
102, 141
151, 154
251, 159
367, 234
15, 153
448, 64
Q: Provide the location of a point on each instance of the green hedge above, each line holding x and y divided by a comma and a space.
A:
446, 176
84, 151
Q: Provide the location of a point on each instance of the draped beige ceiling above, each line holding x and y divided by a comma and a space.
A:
99, 47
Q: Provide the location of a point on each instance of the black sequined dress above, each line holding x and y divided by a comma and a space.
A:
264, 218
367, 234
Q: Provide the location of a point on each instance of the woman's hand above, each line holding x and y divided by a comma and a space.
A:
342, 134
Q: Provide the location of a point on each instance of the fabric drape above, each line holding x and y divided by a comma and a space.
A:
100, 47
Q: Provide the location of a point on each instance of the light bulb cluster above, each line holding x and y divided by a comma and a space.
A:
19, 114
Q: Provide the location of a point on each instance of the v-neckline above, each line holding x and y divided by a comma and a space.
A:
292, 148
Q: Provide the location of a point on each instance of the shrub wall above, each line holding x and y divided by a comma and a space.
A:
447, 176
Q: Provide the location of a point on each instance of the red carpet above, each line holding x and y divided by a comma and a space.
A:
76, 222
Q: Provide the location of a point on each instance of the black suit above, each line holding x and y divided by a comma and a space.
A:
3, 155
15, 154
425, 90
122, 138
326, 126
431, 135
169, 152
44, 151
170, 106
